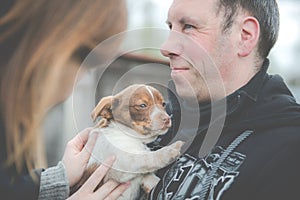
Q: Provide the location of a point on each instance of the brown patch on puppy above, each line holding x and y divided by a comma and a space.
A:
140, 107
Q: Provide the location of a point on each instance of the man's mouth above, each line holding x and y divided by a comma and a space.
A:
179, 68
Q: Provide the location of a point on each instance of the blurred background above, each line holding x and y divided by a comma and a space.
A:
67, 118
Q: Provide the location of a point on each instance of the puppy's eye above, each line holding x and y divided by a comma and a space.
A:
164, 104
143, 105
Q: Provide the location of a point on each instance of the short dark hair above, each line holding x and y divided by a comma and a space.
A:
265, 11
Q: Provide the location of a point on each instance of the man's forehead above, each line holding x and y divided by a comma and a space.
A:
194, 1
197, 4
190, 9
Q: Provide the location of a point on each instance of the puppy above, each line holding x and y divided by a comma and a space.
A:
130, 120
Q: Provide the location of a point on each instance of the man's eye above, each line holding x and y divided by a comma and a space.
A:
188, 26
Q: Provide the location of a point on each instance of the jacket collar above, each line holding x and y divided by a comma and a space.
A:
256, 83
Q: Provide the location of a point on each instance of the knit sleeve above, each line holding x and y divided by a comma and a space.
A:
54, 183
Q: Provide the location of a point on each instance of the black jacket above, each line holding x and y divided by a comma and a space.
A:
257, 155
12, 185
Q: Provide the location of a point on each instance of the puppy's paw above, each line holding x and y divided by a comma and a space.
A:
149, 182
167, 155
177, 145
175, 148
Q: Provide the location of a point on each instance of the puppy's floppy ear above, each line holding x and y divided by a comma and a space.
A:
103, 108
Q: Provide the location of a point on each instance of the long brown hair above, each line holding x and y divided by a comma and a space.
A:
37, 37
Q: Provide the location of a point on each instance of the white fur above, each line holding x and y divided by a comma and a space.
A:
134, 161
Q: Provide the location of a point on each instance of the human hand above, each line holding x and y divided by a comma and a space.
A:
108, 191
77, 154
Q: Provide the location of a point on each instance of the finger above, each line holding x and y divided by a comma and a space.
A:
86, 152
118, 191
80, 139
106, 188
98, 175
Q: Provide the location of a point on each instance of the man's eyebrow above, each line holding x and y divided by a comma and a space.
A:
184, 20
187, 19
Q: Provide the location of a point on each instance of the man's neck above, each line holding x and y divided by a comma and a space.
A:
242, 73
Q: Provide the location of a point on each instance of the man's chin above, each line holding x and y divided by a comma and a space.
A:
185, 93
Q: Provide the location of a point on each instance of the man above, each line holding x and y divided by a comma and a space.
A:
218, 55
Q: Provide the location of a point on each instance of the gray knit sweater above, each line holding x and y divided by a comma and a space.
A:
54, 183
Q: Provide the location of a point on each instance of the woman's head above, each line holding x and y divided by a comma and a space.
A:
42, 42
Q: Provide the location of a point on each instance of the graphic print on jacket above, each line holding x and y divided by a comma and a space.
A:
186, 178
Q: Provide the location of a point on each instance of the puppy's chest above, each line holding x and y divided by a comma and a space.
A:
118, 139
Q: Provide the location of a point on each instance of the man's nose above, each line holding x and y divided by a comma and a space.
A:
172, 46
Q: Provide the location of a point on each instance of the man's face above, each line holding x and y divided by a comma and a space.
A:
200, 53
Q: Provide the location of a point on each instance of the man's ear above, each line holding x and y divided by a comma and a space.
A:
250, 31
